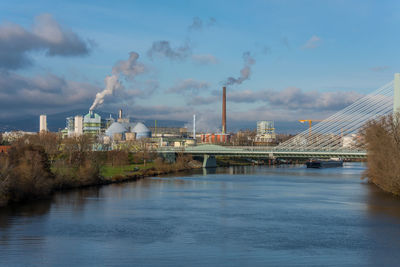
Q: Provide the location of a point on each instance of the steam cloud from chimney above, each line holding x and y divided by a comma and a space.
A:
164, 49
129, 69
245, 72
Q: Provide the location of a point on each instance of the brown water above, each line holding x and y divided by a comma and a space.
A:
239, 216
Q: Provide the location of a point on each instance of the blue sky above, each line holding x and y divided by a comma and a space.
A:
311, 58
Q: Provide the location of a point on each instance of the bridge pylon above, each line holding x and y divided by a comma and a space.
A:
396, 97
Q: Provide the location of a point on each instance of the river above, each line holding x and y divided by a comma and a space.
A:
237, 216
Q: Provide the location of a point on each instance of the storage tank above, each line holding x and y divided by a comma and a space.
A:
141, 131
116, 128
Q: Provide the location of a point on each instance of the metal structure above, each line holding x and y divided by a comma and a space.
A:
336, 136
328, 135
260, 152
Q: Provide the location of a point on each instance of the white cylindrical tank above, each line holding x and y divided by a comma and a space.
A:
141, 131
78, 125
43, 123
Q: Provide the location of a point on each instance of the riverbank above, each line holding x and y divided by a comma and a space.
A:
134, 172
382, 137
112, 175
34, 168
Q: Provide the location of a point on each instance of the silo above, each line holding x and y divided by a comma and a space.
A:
43, 123
78, 121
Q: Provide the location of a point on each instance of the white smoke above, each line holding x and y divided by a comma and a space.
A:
245, 72
128, 68
112, 83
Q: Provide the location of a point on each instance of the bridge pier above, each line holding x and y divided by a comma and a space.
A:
169, 157
209, 161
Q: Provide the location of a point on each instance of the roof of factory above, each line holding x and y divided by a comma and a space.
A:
140, 128
114, 128
92, 115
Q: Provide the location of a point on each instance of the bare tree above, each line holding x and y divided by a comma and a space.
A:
382, 138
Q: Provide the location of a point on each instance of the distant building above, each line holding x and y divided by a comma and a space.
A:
265, 132
12, 136
70, 126
43, 123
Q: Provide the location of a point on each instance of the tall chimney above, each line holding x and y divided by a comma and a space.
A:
224, 109
43, 123
194, 126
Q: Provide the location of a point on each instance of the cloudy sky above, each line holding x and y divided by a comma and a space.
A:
280, 60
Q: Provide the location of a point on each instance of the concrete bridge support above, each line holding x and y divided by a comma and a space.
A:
169, 157
209, 161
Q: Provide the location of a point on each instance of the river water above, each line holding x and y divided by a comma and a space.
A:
237, 216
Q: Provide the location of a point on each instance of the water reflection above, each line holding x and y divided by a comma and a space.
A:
234, 216
380, 203
207, 171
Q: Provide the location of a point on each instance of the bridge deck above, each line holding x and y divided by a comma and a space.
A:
262, 152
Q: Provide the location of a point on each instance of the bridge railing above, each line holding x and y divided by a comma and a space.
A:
238, 149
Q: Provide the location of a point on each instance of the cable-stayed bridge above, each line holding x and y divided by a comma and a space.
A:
335, 136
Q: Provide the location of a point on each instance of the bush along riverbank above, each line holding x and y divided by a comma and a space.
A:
36, 166
382, 137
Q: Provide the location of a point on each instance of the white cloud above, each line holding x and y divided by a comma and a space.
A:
312, 43
188, 86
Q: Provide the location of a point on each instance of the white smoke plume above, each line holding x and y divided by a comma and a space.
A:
164, 49
112, 83
245, 72
128, 68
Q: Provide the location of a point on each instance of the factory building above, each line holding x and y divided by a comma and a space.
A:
91, 123
43, 123
265, 132
124, 130
70, 126
215, 138
78, 125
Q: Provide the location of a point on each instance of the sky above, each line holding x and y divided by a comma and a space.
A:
280, 60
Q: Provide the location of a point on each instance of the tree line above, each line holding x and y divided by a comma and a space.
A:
36, 165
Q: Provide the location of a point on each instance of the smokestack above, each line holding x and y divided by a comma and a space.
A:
43, 123
78, 123
194, 126
224, 109
120, 114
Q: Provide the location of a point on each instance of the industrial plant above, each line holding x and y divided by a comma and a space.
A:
112, 133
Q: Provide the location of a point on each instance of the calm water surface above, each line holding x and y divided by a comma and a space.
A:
241, 216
